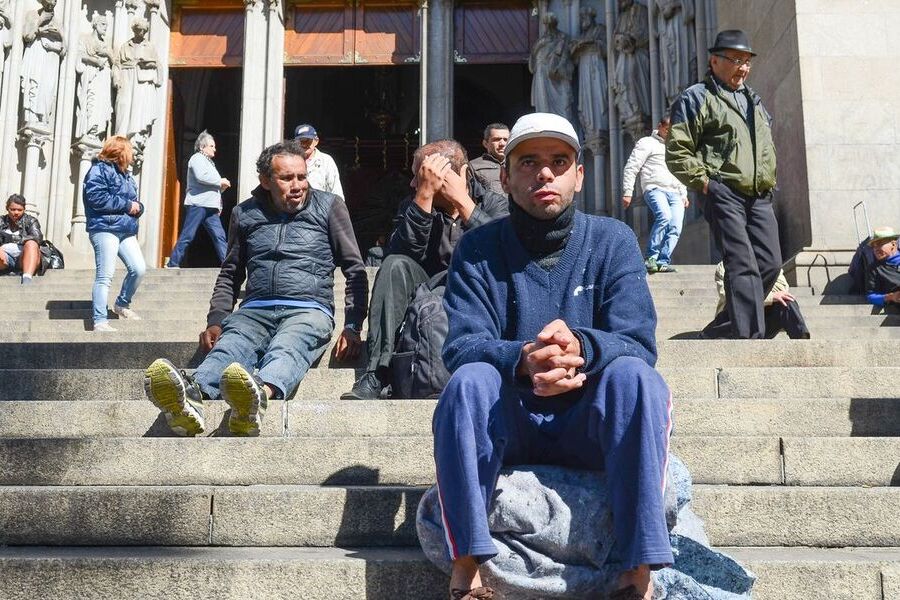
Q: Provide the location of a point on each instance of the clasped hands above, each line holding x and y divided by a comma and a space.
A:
551, 361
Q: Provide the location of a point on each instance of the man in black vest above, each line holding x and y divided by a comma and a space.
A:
286, 240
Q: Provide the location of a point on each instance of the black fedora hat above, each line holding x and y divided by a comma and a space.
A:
732, 39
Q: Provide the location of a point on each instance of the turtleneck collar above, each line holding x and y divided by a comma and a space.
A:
543, 239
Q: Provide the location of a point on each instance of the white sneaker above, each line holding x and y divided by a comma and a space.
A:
126, 313
104, 327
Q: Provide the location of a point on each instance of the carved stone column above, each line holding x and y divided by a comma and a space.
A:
615, 127
274, 118
60, 202
9, 105
253, 95
86, 150
35, 138
151, 177
439, 72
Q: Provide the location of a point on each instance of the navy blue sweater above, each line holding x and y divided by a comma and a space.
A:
498, 298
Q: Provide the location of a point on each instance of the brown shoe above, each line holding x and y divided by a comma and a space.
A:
629, 593
479, 593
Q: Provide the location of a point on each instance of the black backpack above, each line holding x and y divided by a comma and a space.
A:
862, 261
416, 365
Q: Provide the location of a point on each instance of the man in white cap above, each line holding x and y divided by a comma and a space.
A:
552, 348
322, 171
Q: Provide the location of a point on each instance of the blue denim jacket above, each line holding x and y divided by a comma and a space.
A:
108, 194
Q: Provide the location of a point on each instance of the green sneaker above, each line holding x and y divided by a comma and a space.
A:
651, 264
176, 395
246, 396
666, 269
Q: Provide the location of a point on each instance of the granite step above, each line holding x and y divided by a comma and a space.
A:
108, 352
328, 516
186, 573
325, 384
372, 460
136, 417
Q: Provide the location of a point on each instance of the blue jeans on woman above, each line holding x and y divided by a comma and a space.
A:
106, 247
668, 214
194, 217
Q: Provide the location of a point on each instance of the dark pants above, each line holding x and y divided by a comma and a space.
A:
194, 217
620, 423
396, 282
778, 318
746, 234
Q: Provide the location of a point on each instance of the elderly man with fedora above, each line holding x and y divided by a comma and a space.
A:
720, 143
883, 276
552, 351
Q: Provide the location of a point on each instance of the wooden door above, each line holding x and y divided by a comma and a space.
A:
494, 31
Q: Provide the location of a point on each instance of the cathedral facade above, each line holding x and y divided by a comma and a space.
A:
376, 79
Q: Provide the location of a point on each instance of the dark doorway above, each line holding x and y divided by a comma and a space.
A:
367, 119
210, 99
486, 94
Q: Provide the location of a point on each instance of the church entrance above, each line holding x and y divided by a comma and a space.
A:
367, 118
202, 99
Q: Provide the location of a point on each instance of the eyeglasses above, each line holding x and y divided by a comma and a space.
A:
736, 61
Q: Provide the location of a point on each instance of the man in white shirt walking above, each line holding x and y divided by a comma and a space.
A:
322, 171
663, 193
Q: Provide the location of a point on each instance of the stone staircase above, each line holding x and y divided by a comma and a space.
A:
794, 448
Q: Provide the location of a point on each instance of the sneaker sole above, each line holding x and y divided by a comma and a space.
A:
163, 386
244, 397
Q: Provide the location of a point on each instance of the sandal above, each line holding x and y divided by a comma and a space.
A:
479, 593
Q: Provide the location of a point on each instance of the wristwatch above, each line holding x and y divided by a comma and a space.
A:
352, 327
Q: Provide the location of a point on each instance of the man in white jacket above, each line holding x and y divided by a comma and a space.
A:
663, 193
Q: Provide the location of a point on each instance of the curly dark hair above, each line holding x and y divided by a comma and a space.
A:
285, 148
15, 199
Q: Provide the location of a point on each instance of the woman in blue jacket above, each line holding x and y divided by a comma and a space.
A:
112, 210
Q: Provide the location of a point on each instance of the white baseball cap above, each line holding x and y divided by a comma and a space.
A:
538, 125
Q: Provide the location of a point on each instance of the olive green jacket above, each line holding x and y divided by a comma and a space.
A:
709, 139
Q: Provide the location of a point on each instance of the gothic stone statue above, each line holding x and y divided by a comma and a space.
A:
95, 82
5, 33
551, 64
632, 78
590, 52
136, 77
675, 19
44, 46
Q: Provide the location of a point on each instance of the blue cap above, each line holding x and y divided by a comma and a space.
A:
305, 132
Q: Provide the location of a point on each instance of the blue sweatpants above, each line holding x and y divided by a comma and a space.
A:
619, 422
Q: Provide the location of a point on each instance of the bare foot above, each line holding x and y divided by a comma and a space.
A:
465, 575
638, 578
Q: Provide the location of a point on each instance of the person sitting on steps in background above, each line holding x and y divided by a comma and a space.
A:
883, 276
448, 201
782, 311
20, 239
286, 240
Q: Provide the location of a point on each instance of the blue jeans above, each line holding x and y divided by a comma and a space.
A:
620, 423
668, 214
106, 247
280, 342
194, 217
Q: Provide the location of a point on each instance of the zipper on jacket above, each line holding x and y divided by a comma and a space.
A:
278, 239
